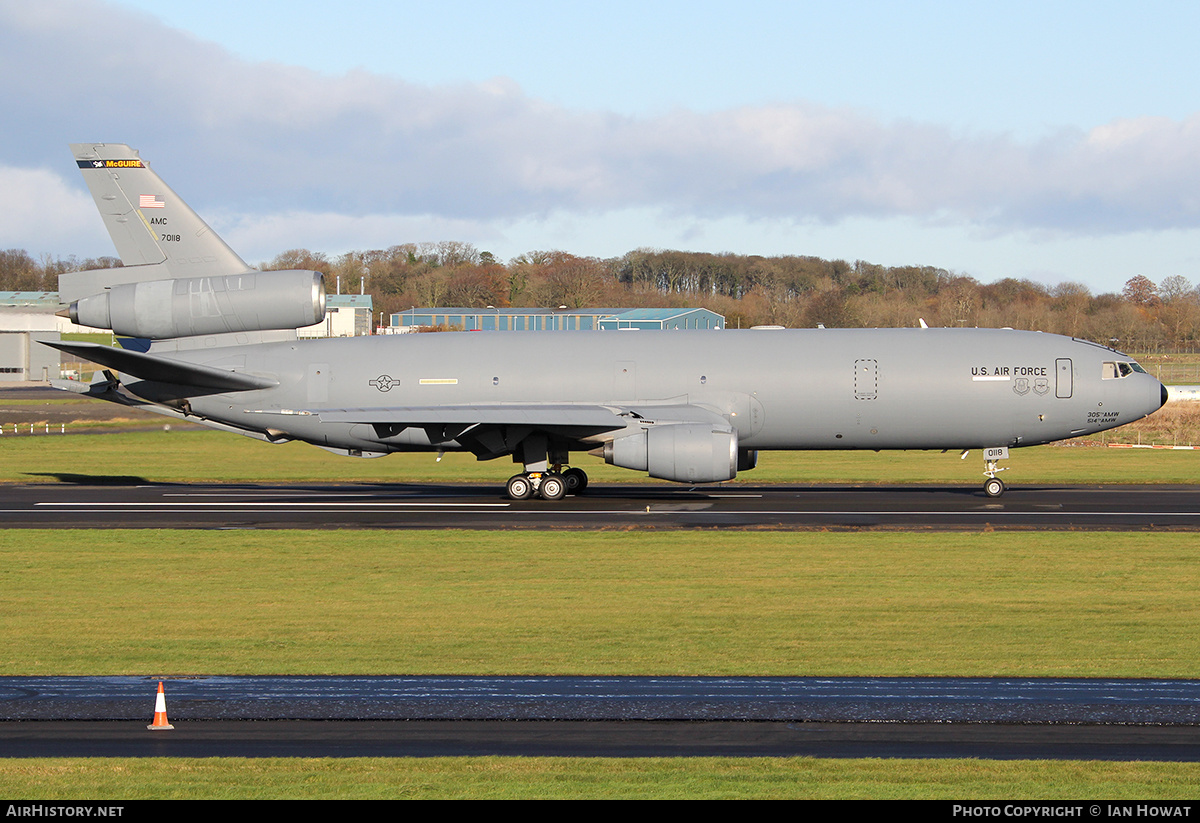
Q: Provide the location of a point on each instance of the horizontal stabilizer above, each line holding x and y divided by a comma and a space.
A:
164, 370
74, 386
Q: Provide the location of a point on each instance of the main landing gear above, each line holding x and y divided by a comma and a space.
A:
548, 485
544, 475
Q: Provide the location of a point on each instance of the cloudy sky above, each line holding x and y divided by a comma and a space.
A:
1054, 141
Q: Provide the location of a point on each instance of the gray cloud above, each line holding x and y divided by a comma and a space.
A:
268, 138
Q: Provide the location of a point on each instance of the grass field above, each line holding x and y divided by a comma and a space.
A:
548, 778
599, 603
1173, 368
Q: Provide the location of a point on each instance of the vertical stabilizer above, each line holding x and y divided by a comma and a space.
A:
149, 224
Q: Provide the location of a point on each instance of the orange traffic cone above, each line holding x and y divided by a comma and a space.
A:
160, 711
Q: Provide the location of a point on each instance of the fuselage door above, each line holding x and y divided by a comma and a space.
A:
318, 382
625, 380
866, 379
1063, 385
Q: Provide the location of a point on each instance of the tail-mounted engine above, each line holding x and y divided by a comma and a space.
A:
184, 307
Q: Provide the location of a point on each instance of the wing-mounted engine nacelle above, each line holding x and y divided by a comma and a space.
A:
683, 452
185, 307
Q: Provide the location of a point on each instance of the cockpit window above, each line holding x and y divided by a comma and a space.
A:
1115, 370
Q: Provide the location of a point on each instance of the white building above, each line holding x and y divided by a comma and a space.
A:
25, 318
346, 315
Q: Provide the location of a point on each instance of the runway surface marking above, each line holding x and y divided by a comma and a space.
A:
474, 506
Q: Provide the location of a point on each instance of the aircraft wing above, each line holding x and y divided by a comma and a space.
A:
601, 418
490, 430
536, 415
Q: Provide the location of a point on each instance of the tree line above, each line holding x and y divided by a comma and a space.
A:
789, 290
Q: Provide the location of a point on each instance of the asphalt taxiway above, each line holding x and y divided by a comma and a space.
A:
98, 502
423, 738
545, 698
999, 718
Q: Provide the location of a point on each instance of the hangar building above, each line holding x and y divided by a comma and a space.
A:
530, 319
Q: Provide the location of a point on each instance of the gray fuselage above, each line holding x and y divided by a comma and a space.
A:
779, 389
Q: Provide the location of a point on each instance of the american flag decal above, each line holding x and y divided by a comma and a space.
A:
150, 201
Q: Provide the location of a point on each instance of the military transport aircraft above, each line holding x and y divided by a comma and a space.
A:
213, 341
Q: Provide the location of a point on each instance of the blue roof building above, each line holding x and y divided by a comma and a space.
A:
664, 319
531, 319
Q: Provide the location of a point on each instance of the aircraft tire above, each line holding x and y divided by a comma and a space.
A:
993, 487
576, 480
553, 487
519, 487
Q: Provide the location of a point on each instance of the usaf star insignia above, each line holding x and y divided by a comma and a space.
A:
385, 382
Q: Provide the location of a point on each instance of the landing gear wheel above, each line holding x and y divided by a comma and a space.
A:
576, 480
519, 487
553, 487
993, 487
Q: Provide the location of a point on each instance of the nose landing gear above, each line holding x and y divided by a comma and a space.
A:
993, 486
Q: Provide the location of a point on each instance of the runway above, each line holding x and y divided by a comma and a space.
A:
618, 716
98, 502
